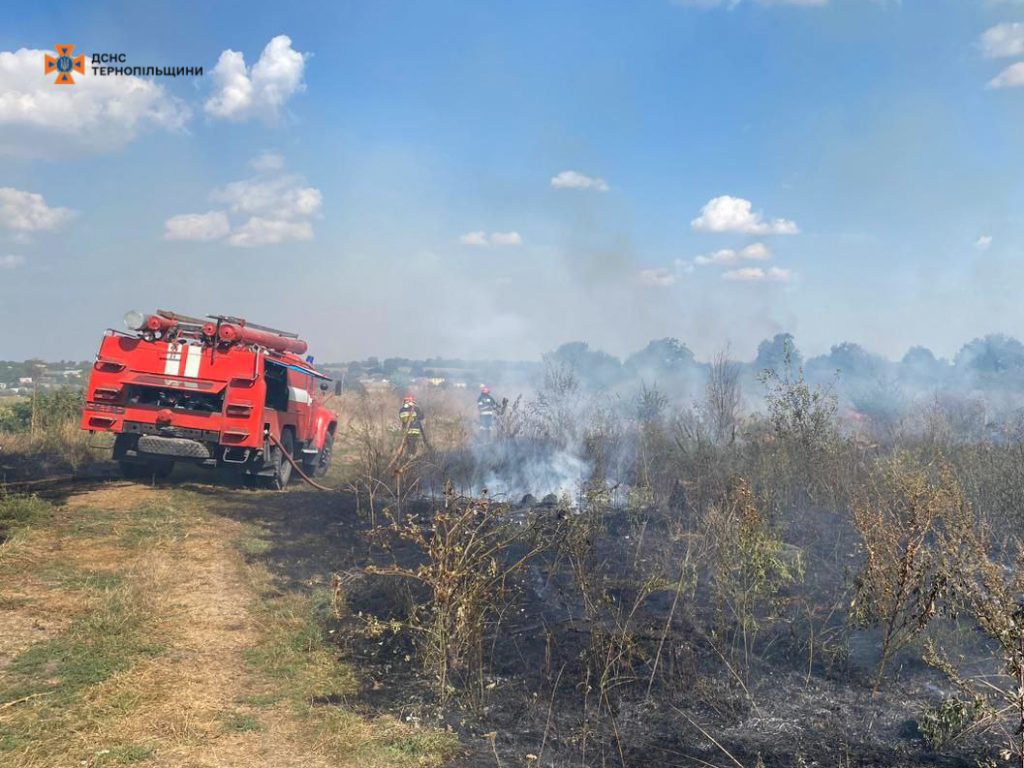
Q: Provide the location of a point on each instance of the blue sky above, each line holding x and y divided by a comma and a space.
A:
381, 176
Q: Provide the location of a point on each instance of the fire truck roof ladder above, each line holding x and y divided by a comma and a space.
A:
247, 324
178, 318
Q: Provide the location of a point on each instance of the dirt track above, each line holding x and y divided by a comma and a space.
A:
221, 682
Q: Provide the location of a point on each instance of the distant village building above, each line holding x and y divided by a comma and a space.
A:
25, 381
374, 383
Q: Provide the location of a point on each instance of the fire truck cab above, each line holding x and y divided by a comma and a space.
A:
217, 392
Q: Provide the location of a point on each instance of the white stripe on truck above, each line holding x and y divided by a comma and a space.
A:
195, 354
298, 395
173, 362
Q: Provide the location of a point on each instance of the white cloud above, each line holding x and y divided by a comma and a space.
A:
723, 256
779, 274
96, 114
1011, 77
734, 214
267, 162
746, 274
756, 252
278, 197
482, 239
268, 209
261, 91
26, 212
983, 242
752, 252
212, 225
11, 261
660, 277
506, 238
477, 239
577, 180
758, 275
260, 231
1003, 40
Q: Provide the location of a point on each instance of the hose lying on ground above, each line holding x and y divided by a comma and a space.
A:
298, 469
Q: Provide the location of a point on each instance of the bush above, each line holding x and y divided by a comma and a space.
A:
46, 425
901, 581
946, 722
750, 568
45, 412
468, 550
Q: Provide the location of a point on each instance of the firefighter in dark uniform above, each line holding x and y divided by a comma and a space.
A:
411, 417
487, 407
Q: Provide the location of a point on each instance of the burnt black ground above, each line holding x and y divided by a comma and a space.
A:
533, 699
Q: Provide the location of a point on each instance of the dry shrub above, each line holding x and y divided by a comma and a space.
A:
653, 476
797, 449
369, 436
992, 477
469, 548
722, 399
987, 587
367, 444
46, 427
898, 516
948, 721
750, 568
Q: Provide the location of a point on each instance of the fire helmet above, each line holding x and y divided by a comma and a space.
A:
409, 399
485, 390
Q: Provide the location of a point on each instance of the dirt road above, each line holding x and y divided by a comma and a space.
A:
138, 625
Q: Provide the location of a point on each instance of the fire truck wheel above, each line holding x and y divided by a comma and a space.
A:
161, 470
282, 467
323, 459
317, 465
130, 470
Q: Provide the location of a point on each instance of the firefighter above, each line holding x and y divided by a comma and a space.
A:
411, 417
487, 407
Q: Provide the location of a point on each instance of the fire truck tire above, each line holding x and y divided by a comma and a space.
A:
130, 470
318, 465
133, 470
282, 467
161, 469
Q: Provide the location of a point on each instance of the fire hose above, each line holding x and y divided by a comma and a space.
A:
320, 487
297, 468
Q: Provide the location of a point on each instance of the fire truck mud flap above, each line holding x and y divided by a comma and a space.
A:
178, 447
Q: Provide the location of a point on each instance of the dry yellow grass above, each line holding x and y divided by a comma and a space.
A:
134, 631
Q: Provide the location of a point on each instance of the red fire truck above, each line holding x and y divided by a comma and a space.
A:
216, 391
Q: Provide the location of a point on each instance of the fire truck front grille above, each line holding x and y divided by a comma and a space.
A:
173, 446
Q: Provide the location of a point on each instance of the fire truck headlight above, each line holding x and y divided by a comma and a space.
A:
134, 320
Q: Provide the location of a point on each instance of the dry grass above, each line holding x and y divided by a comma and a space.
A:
134, 631
44, 430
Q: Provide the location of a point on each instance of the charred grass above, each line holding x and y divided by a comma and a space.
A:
714, 589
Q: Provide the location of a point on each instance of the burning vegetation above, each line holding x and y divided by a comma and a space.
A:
624, 576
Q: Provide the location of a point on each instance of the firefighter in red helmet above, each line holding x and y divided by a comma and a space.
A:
411, 416
487, 408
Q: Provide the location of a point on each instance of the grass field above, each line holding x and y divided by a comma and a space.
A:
135, 630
